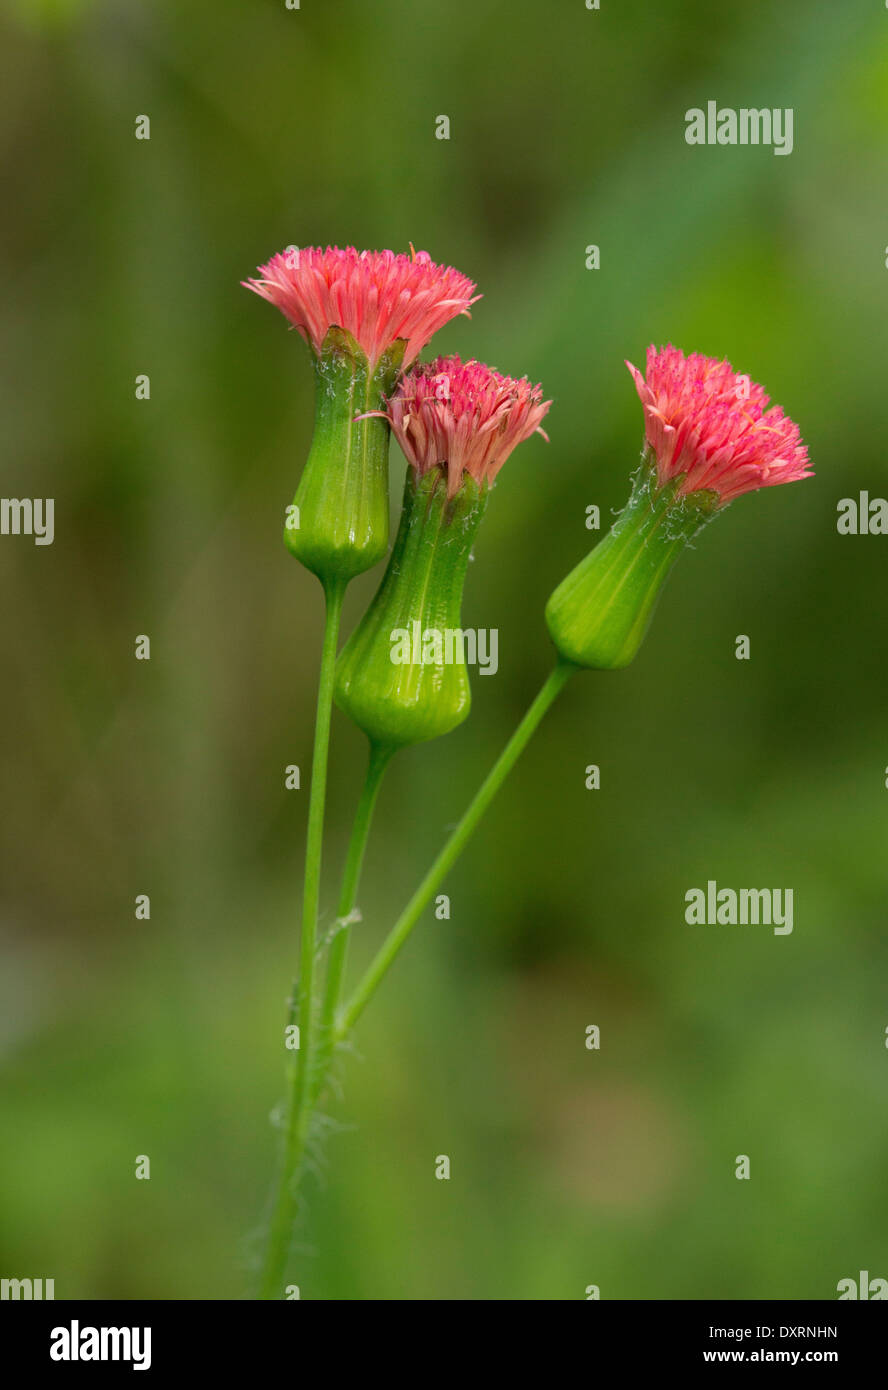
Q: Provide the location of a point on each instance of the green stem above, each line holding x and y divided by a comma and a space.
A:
453, 848
299, 1112
379, 761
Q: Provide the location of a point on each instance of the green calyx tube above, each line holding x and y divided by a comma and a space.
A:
599, 614
401, 677
338, 525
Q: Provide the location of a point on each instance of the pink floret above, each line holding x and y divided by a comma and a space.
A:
463, 416
712, 427
377, 296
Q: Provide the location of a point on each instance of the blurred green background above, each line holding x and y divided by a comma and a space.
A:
121, 1038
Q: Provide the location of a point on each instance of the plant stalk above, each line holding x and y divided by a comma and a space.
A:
379, 761
299, 1111
452, 849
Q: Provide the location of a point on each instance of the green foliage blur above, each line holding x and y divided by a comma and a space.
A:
120, 1037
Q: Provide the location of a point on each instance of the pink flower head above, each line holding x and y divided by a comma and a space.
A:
376, 296
464, 416
710, 427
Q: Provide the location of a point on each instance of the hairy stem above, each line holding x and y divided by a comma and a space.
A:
299, 1111
379, 761
452, 849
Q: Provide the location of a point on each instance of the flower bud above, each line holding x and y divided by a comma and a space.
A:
708, 438
365, 316
402, 675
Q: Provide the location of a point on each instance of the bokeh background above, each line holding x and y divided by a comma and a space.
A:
121, 1037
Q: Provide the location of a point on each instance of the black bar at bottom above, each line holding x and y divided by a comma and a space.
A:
270, 1339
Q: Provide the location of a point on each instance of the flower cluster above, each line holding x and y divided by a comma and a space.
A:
710, 436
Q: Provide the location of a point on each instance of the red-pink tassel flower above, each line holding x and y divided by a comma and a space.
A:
376, 296
463, 416
711, 427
